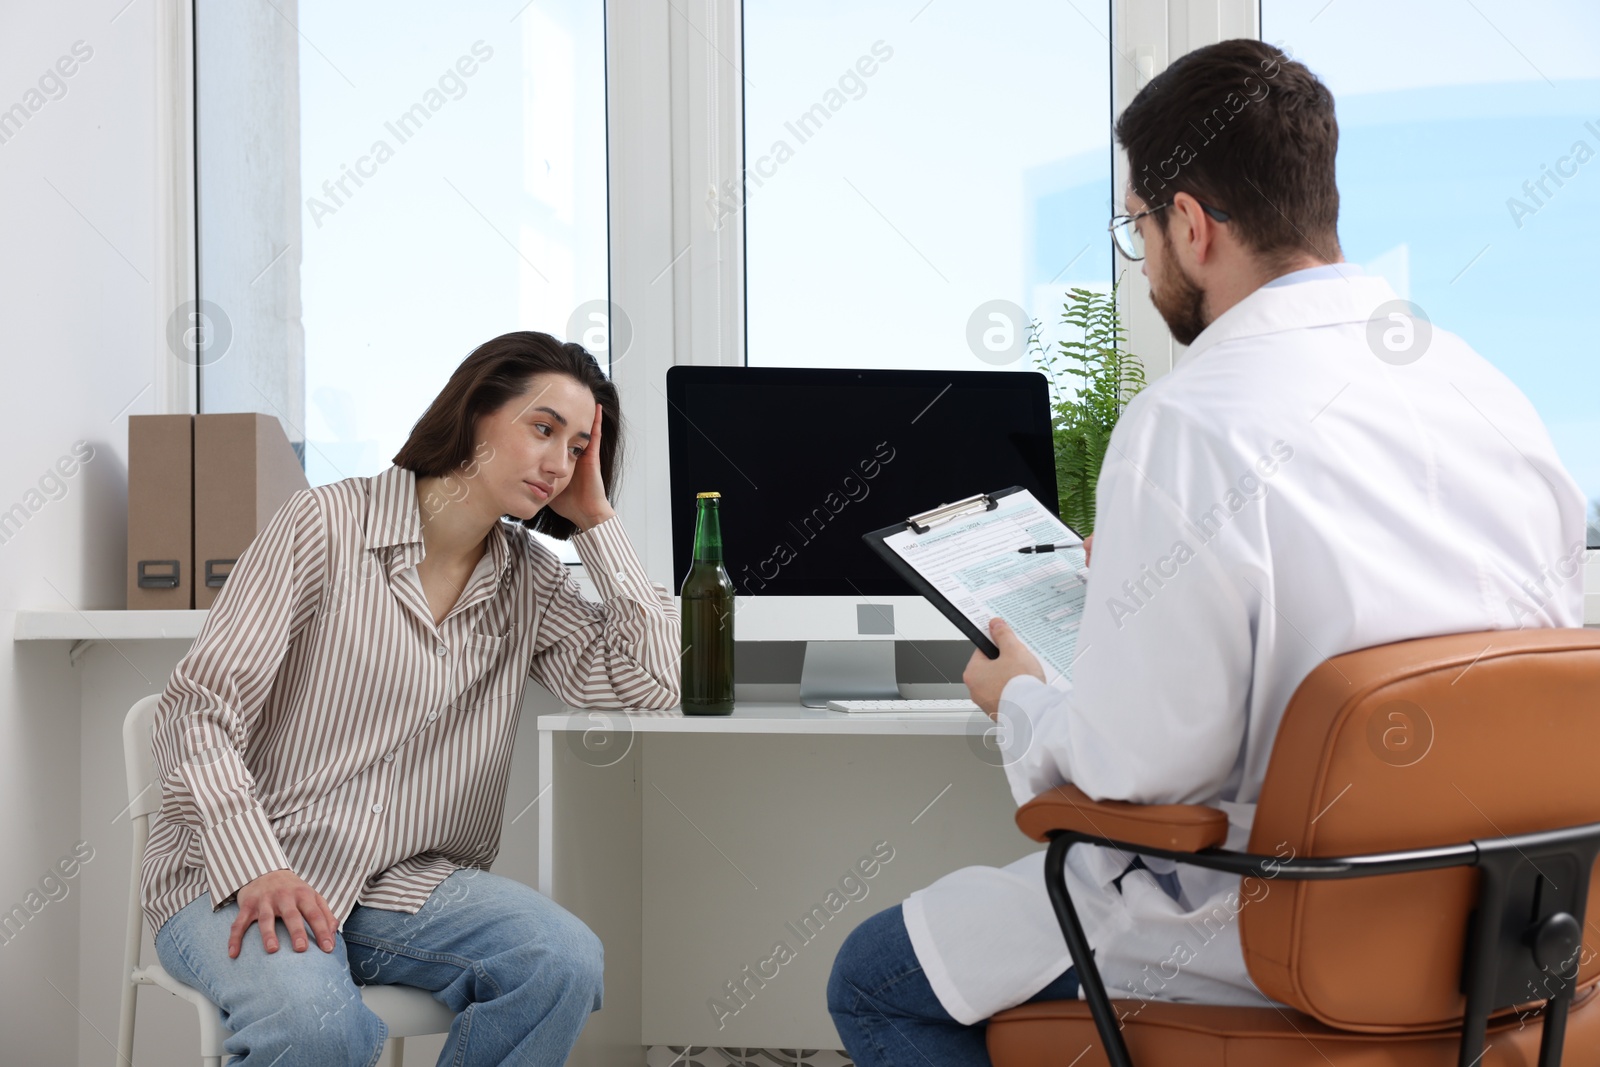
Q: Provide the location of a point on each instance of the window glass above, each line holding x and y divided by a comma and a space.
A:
921, 179
380, 195
1469, 176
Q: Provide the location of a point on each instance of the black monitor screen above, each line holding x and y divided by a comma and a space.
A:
809, 460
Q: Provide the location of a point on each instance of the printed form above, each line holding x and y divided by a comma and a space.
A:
974, 562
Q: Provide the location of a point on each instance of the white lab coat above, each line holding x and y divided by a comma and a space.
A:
1282, 496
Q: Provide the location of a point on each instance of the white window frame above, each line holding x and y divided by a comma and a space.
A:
674, 109
1147, 36
176, 382
674, 105
674, 133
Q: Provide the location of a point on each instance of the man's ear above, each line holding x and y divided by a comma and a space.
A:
1191, 227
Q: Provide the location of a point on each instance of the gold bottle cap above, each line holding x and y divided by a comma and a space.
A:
702, 496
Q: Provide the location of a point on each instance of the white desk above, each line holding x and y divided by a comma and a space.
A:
692, 845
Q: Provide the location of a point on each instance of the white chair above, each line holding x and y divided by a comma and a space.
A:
408, 1012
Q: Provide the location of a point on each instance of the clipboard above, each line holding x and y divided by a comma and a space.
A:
927, 521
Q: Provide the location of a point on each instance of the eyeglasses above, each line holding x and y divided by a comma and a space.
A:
1131, 243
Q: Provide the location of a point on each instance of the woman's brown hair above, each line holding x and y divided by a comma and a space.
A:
442, 441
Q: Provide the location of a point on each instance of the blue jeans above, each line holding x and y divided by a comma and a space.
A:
519, 971
886, 1012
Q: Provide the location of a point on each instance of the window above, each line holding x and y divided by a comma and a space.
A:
920, 177
377, 196
1469, 174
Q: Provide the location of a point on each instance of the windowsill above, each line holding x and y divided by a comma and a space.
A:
120, 625
109, 625
1591, 588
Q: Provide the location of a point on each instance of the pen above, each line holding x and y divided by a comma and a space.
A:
1044, 548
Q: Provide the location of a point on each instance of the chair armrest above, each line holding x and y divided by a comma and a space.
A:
1176, 827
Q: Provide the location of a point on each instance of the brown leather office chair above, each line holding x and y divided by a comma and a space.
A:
1442, 801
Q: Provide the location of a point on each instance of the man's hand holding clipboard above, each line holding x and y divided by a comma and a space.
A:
986, 678
964, 559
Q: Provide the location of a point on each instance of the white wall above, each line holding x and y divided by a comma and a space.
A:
76, 329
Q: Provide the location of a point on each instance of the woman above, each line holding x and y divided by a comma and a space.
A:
333, 750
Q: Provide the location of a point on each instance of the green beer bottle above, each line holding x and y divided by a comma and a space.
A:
707, 618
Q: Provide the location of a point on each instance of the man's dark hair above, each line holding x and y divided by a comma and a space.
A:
442, 441
1241, 127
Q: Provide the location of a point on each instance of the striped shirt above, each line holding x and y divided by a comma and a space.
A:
322, 723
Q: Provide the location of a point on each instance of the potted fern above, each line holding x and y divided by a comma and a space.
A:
1107, 377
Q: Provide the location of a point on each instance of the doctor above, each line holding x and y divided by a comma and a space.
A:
1321, 471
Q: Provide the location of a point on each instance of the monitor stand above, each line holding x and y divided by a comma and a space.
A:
848, 670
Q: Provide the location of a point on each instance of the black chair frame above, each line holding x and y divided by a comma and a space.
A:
1524, 937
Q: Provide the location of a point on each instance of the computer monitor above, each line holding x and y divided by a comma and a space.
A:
807, 460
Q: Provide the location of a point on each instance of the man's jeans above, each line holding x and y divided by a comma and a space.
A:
886, 1012
520, 972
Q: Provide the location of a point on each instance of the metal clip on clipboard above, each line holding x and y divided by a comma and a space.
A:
971, 505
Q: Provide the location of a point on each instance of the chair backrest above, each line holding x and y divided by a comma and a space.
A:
1421, 743
139, 760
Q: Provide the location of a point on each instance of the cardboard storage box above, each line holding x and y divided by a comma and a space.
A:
200, 487
160, 511
244, 471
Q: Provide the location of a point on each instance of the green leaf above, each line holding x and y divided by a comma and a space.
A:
1092, 378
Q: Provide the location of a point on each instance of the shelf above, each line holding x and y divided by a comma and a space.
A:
763, 717
50, 625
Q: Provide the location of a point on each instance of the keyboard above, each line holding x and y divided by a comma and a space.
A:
892, 707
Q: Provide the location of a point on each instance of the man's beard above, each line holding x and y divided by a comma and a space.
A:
1180, 301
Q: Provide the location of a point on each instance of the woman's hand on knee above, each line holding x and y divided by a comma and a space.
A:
281, 894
